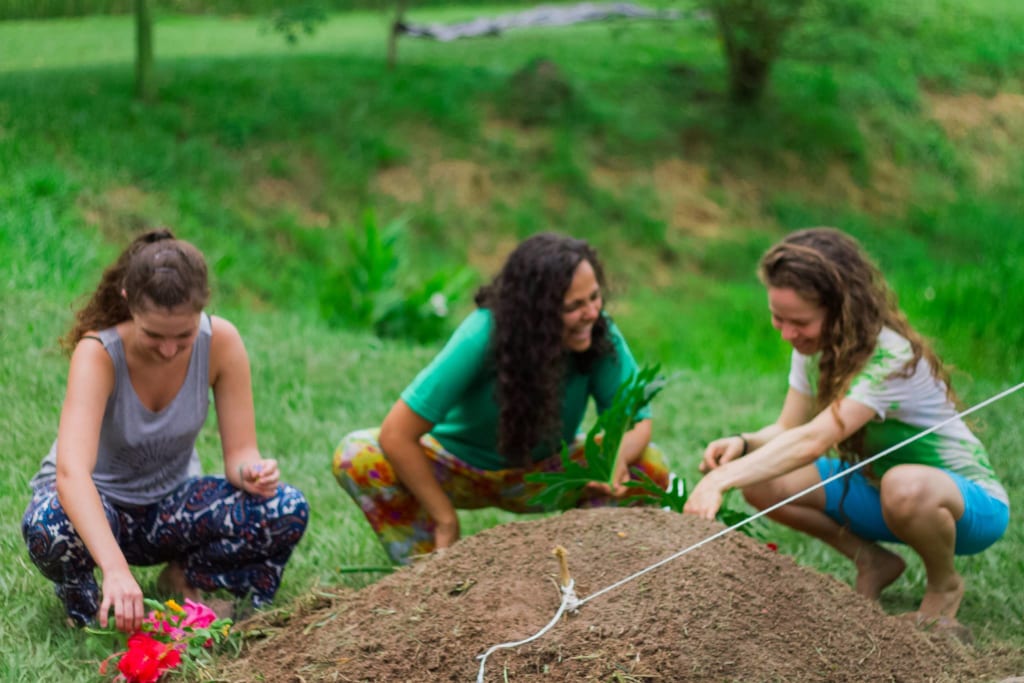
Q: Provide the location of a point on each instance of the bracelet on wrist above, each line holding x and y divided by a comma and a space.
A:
746, 446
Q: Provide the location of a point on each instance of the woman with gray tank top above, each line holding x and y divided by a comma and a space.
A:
122, 485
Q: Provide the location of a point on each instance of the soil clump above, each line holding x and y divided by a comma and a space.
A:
732, 610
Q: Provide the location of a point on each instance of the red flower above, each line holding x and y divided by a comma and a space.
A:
774, 547
147, 659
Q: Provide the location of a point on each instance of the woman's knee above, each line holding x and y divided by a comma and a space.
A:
52, 542
907, 491
288, 517
56, 550
361, 469
353, 447
653, 463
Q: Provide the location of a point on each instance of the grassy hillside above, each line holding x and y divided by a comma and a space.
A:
258, 144
898, 124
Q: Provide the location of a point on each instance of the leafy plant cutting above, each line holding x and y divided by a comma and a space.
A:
562, 489
675, 496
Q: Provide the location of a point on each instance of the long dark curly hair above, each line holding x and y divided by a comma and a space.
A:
829, 268
526, 300
154, 270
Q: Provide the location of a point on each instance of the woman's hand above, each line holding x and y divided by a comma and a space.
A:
721, 451
631, 449
706, 498
122, 592
400, 441
446, 533
260, 478
617, 488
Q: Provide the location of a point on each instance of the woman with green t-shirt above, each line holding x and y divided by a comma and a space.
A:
861, 380
510, 386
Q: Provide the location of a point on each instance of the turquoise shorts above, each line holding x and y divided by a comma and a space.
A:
983, 523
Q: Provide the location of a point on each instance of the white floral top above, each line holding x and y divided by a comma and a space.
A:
904, 406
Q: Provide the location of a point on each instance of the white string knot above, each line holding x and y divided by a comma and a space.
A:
569, 602
569, 599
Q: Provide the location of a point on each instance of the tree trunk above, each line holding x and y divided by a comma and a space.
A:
393, 36
145, 89
748, 76
752, 34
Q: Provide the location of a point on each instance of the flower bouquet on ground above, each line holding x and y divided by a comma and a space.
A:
173, 637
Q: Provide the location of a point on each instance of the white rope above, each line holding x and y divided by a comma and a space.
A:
569, 603
853, 468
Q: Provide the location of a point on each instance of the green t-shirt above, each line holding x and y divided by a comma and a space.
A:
457, 392
905, 406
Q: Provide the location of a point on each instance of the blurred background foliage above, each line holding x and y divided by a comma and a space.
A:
891, 122
343, 206
47, 9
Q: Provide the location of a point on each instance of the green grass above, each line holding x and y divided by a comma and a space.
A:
265, 155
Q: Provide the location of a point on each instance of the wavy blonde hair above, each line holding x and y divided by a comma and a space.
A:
828, 268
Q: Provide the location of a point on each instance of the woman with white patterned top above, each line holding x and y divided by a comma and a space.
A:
861, 380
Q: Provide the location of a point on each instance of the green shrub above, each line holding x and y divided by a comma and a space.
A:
364, 289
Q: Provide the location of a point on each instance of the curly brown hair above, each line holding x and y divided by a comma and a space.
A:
154, 270
829, 268
526, 300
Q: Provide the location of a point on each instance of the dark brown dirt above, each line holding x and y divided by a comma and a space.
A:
732, 610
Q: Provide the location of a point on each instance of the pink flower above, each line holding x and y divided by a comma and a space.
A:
197, 615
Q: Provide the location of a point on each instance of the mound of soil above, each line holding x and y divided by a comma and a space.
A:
732, 610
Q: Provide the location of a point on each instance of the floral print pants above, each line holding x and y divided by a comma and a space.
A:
404, 527
223, 537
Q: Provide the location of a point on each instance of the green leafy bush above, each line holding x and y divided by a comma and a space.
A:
365, 292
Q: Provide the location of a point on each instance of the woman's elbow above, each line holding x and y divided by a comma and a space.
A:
402, 429
388, 438
643, 431
394, 438
69, 481
812, 445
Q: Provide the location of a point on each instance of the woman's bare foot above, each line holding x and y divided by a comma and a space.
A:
943, 600
172, 581
876, 569
947, 626
222, 607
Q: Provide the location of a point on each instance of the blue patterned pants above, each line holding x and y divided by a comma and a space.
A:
222, 536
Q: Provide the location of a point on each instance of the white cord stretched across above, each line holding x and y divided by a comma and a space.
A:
853, 468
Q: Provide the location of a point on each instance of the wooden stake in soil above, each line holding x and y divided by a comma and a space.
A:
563, 565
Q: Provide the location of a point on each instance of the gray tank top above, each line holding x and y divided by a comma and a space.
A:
142, 455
